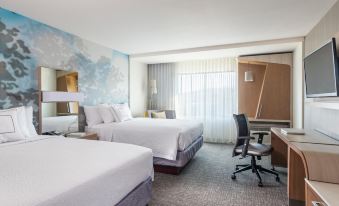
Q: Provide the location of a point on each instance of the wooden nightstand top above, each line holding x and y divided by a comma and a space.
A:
88, 135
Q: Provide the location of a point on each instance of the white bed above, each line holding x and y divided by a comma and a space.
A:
67, 171
164, 136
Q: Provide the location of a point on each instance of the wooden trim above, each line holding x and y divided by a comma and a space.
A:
259, 106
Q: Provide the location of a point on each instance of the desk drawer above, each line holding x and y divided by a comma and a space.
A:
312, 199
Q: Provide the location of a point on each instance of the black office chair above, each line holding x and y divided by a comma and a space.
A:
245, 148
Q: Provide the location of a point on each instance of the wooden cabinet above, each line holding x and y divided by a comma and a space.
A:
312, 198
269, 95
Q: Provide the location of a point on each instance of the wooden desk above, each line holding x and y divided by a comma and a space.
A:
312, 156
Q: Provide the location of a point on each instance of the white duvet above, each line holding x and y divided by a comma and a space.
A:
164, 136
70, 172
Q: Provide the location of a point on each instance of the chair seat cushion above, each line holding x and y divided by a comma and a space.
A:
255, 149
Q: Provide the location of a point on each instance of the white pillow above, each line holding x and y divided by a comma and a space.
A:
25, 125
29, 121
106, 113
22, 120
122, 112
115, 116
92, 115
10, 130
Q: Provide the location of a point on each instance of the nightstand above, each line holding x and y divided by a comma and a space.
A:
84, 135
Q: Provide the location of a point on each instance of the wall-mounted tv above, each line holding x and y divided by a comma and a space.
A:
321, 71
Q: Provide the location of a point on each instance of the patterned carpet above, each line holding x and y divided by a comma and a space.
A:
206, 181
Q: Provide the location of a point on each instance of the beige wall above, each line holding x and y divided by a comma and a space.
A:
323, 113
138, 88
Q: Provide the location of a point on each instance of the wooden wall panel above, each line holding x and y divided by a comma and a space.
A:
249, 92
275, 98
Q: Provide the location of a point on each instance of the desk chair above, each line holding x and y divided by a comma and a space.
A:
245, 148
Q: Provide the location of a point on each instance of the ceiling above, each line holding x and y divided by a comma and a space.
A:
220, 51
141, 26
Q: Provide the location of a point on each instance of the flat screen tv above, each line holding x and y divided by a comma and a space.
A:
321, 71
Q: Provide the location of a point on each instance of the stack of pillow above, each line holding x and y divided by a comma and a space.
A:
105, 113
16, 124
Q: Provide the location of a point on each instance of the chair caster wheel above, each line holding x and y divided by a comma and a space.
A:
233, 177
277, 179
260, 184
237, 168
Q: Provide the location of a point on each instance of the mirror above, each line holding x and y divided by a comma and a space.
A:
60, 117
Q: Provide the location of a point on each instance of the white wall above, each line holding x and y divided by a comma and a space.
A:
48, 83
322, 113
138, 88
298, 87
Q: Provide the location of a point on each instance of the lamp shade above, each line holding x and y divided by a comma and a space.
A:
62, 97
249, 76
153, 86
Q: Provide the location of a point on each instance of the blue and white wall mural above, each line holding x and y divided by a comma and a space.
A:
26, 44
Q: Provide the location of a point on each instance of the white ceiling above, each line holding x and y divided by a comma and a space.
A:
220, 51
141, 26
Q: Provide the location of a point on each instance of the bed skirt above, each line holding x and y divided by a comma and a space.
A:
140, 196
183, 157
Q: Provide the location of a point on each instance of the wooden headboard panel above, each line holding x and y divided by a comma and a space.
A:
82, 119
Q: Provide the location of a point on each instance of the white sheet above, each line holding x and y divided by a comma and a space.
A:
164, 136
70, 172
60, 123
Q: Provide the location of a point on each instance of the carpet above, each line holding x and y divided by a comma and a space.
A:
206, 180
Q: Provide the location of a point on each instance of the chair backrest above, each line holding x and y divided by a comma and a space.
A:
243, 130
170, 114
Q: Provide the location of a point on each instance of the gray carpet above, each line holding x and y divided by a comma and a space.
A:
206, 181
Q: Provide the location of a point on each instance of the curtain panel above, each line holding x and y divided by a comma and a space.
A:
203, 90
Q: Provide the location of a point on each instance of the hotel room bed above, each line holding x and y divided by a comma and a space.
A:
173, 142
66, 171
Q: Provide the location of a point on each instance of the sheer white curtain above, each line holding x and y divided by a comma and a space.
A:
205, 90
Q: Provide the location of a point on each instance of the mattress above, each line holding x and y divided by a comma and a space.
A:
164, 136
67, 171
183, 157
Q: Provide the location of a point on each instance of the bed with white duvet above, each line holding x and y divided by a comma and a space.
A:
164, 136
39, 170
173, 142
67, 171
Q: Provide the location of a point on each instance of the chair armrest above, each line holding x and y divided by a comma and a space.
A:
246, 143
261, 136
246, 137
260, 133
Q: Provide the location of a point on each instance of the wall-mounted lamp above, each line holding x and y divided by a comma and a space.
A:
153, 86
249, 76
153, 91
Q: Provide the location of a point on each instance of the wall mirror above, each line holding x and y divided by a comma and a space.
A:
56, 116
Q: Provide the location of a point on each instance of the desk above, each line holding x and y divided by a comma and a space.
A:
312, 156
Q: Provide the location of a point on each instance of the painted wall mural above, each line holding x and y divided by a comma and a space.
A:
26, 44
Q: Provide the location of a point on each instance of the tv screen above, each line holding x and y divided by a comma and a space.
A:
321, 71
